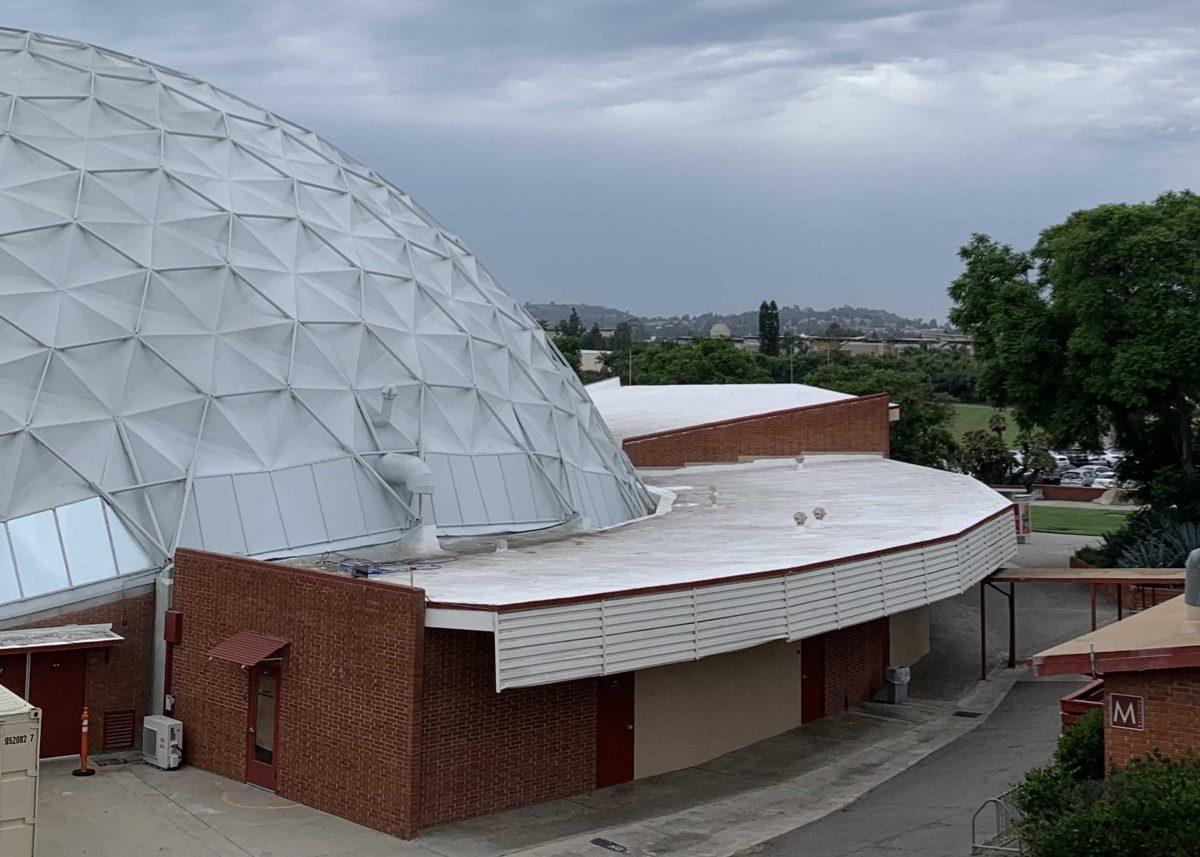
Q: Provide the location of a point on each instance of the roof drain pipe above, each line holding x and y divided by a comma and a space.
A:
1191, 588
408, 473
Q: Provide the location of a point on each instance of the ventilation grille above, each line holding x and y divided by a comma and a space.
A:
118, 730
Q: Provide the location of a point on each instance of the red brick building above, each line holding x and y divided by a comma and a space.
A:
1149, 671
504, 672
790, 561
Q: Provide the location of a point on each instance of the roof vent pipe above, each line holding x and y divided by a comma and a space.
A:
406, 472
388, 394
1191, 587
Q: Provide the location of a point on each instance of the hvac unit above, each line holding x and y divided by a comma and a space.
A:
162, 741
20, 730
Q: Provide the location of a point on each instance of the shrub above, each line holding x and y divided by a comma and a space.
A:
1150, 808
1080, 752
1149, 538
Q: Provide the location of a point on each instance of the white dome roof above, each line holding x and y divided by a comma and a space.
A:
201, 305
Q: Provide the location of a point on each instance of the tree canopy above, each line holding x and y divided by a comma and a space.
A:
702, 361
921, 436
1096, 326
768, 328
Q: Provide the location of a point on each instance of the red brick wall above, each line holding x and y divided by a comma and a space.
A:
855, 659
350, 683
1172, 701
853, 425
118, 678
485, 751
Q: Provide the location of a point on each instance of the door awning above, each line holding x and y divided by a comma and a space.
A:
57, 639
248, 648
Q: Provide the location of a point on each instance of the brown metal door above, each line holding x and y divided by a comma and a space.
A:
614, 730
12, 673
56, 682
812, 678
262, 730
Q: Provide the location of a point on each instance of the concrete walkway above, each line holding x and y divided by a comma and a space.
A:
926, 811
736, 801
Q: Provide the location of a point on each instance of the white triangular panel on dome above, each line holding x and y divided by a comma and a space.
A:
215, 322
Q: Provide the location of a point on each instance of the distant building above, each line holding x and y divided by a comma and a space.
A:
720, 331
590, 360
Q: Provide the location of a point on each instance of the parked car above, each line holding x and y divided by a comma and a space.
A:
1087, 475
1071, 477
1105, 481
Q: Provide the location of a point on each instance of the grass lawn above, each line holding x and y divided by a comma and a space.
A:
970, 417
1079, 522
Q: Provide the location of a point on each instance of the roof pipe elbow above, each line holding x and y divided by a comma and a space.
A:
406, 472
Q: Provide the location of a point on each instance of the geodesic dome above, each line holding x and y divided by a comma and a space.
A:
214, 325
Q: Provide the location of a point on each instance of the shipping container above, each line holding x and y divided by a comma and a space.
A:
20, 731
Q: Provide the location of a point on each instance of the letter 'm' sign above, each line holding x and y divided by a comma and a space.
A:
1126, 711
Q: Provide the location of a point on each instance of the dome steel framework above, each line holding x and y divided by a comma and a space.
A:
213, 324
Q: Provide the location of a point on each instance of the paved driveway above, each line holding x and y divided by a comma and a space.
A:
926, 811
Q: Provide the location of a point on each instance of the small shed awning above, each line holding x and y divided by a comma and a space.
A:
58, 639
248, 648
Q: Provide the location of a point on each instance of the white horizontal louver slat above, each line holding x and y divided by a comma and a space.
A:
558, 643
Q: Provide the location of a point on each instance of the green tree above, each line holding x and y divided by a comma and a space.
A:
1104, 334
622, 337
768, 328
594, 340
702, 361
1036, 460
572, 325
983, 454
836, 330
922, 434
568, 346
950, 370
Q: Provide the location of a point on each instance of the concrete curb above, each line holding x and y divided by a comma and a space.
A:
741, 822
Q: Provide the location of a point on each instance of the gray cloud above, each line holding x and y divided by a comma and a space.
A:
686, 154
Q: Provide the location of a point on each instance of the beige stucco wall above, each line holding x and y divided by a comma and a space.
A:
688, 713
909, 635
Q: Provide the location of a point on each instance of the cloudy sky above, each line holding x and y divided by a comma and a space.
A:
671, 156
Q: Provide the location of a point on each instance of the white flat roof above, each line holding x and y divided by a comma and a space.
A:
873, 505
640, 410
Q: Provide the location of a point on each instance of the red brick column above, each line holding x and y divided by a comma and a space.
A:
855, 659
485, 751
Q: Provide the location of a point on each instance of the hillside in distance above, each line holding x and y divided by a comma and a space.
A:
590, 313
794, 318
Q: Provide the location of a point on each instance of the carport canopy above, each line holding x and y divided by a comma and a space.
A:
1090, 577
248, 648
57, 639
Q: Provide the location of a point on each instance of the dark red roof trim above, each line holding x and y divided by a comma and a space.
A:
1132, 660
